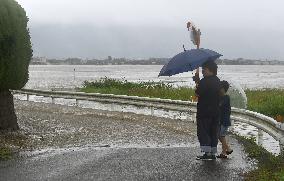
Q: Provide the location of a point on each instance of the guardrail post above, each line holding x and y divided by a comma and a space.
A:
193, 117
52, 100
188, 115
152, 111
281, 140
28, 97
281, 144
77, 102
112, 107
180, 114
259, 136
232, 125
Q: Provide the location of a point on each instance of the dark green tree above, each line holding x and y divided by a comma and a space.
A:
15, 56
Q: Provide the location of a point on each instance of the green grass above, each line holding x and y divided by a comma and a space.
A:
142, 89
269, 166
269, 101
10, 143
5, 153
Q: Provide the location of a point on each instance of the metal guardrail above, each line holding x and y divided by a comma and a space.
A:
167, 104
261, 122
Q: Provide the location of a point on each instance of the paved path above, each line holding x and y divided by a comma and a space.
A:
70, 146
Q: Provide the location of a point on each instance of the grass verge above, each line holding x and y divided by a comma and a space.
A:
5, 153
268, 101
142, 89
10, 143
269, 166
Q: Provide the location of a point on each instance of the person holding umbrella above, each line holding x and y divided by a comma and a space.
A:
208, 92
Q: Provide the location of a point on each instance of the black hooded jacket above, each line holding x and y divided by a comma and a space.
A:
208, 92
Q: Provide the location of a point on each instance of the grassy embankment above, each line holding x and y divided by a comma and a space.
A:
268, 102
269, 166
143, 89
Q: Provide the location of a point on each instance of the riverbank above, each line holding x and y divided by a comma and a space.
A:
269, 102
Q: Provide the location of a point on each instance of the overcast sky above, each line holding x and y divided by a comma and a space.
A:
155, 28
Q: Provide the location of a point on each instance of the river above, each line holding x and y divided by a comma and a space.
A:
64, 76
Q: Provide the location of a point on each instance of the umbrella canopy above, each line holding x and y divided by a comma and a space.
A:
188, 60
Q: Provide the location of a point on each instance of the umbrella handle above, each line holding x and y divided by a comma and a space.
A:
197, 78
197, 72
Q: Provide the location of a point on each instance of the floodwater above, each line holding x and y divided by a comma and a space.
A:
59, 76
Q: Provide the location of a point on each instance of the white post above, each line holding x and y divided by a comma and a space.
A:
112, 107
193, 117
260, 137
281, 140
77, 102
232, 125
281, 144
52, 100
152, 111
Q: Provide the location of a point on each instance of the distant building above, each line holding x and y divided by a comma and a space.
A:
84, 61
39, 61
42, 59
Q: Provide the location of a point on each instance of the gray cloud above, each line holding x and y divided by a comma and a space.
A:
154, 28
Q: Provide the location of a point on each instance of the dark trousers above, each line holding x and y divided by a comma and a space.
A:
207, 132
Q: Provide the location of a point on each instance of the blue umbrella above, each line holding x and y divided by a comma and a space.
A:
188, 60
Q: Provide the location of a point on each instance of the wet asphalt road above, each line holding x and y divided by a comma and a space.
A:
145, 148
124, 164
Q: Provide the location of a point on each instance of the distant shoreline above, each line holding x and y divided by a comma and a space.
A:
151, 64
150, 61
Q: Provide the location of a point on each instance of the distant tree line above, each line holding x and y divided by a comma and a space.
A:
241, 61
150, 61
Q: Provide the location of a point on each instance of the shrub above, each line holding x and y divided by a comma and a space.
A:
15, 46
